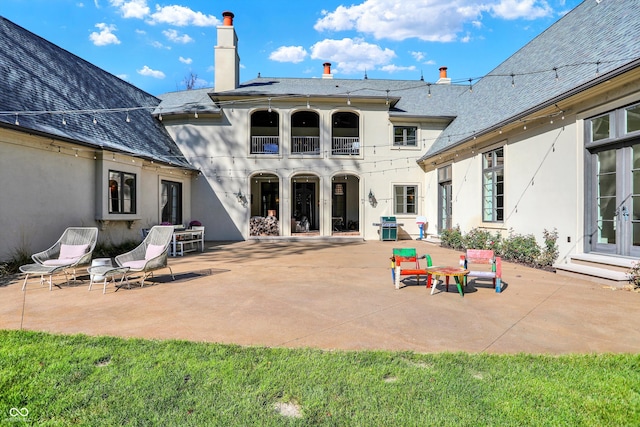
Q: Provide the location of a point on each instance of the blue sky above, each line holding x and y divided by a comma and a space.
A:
156, 45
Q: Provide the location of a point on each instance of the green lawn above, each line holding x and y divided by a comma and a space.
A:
80, 380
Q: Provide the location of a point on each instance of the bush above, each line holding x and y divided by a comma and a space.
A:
108, 250
19, 257
452, 238
520, 248
483, 239
549, 253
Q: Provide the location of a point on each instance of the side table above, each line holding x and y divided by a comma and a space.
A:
108, 273
456, 272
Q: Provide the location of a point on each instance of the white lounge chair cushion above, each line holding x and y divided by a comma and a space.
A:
153, 251
69, 254
72, 251
135, 265
60, 261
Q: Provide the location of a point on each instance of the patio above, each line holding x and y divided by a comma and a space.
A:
335, 295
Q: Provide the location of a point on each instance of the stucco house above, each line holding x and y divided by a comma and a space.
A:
546, 140
79, 147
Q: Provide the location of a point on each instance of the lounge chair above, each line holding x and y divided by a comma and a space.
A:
150, 255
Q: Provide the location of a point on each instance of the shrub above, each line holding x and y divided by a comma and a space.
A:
452, 238
634, 276
520, 248
482, 239
108, 250
20, 256
549, 253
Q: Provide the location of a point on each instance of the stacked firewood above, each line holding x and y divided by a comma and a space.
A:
261, 226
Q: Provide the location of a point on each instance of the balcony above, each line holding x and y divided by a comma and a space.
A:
305, 145
345, 146
265, 145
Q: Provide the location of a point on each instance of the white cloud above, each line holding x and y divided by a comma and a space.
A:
293, 54
418, 56
131, 8
146, 71
181, 16
396, 68
185, 60
527, 9
175, 36
352, 55
105, 36
435, 20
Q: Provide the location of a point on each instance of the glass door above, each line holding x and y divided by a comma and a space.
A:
617, 201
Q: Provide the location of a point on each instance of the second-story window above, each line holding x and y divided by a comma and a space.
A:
345, 134
305, 133
265, 132
405, 136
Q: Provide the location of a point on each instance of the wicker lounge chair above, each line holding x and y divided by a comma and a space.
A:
150, 255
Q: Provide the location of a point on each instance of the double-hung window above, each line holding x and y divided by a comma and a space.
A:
493, 186
122, 192
405, 136
405, 199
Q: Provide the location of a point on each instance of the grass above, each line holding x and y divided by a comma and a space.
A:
93, 381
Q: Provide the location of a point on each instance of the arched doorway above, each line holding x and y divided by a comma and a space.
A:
305, 214
265, 205
345, 204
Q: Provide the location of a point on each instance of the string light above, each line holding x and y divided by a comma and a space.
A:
513, 80
470, 85
556, 71
308, 106
128, 119
196, 114
64, 122
17, 122
269, 109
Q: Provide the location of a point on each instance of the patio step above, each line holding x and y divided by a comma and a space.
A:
598, 268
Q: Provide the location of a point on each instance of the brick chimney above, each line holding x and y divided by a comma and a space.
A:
226, 58
327, 71
443, 80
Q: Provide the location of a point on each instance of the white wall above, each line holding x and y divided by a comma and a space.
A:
47, 188
220, 148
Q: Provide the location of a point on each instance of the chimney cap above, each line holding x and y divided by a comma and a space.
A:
227, 18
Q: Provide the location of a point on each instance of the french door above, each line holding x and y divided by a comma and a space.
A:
616, 203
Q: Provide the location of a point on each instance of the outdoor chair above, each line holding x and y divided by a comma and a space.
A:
150, 255
72, 250
408, 256
479, 258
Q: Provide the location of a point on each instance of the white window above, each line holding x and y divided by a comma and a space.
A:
405, 136
405, 199
493, 186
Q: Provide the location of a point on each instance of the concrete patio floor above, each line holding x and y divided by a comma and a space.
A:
335, 295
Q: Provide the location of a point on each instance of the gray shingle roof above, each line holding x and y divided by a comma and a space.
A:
595, 36
38, 76
411, 95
